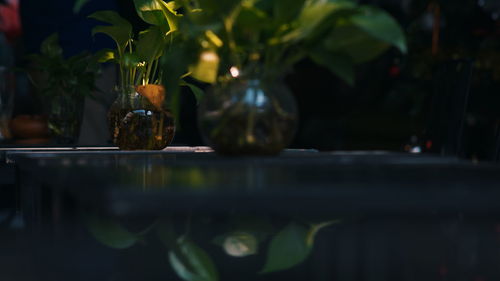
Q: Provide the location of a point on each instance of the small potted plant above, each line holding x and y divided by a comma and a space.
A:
63, 84
138, 119
245, 47
143, 115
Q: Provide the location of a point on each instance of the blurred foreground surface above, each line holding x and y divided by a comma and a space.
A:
110, 215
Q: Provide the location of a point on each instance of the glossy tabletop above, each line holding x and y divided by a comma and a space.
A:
295, 182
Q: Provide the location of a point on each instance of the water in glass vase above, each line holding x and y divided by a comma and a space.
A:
138, 122
248, 117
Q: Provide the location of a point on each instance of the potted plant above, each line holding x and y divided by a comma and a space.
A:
63, 84
138, 119
245, 47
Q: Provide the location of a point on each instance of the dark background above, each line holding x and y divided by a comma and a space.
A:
391, 104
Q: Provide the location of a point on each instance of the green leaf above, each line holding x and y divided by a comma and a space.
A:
191, 263
265, 5
105, 55
217, 9
79, 5
150, 44
119, 29
339, 64
131, 60
251, 18
250, 26
318, 18
214, 39
286, 11
159, 13
150, 11
174, 63
170, 14
157, 18
155, 13
110, 233
381, 25
197, 92
287, 249
207, 67
315, 228
50, 47
352, 40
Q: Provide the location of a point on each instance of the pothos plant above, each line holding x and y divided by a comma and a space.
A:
225, 34
55, 75
137, 58
141, 57
63, 83
218, 40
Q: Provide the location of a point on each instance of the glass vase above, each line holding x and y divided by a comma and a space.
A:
248, 115
65, 118
138, 119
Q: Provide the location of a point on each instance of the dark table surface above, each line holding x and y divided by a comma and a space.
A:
402, 216
296, 182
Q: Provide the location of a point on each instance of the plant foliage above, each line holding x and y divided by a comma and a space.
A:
136, 55
56, 75
277, 34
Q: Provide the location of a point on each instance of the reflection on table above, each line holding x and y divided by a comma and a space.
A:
306, 215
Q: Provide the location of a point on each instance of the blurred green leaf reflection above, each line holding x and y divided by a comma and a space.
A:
192, 263
110, 233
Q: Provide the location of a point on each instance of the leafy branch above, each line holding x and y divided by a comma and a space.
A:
279, 33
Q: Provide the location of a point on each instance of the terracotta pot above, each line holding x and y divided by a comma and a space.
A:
29, 127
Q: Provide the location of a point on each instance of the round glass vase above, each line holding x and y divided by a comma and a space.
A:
248, 116
138, 119
65, 118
